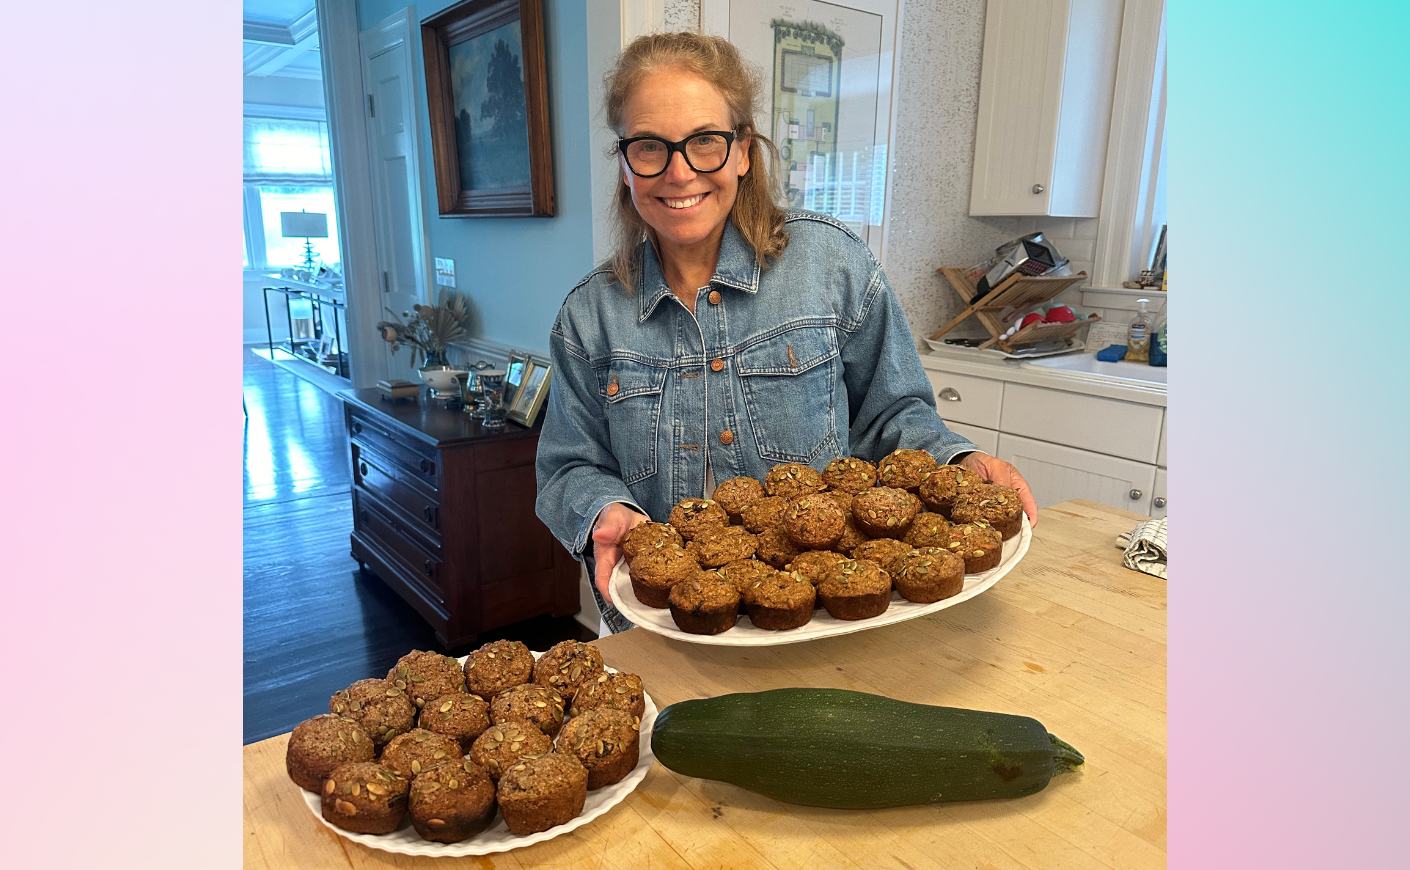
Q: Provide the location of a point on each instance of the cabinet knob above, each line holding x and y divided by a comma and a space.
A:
427, 567
1135, 494
426, 512
362, 468
1159, 501
948, 395
362, 515
357, 428
1037, 188
425, 466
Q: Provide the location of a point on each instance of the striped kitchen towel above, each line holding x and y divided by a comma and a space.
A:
1145, 547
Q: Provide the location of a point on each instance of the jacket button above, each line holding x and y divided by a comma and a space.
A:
714, 297
612, 388
727, 437
716, 365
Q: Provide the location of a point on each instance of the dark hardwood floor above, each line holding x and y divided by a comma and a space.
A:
314, 622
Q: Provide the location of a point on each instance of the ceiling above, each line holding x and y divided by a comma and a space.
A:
281, 38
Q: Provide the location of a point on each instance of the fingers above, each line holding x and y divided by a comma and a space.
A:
607, 557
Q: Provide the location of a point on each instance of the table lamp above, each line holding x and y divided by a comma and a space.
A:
304, 225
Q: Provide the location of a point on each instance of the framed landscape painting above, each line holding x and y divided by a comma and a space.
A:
487, 96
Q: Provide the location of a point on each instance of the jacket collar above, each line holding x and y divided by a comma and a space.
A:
736, 267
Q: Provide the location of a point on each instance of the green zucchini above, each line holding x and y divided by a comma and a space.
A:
836, 748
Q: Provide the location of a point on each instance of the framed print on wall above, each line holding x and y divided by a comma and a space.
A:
487, 96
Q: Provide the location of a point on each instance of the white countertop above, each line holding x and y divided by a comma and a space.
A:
1075, 373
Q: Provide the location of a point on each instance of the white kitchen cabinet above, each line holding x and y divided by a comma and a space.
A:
1160, 454
987, 440
1057, 473
1102, 425
966, 399
1158, 496
1045, 90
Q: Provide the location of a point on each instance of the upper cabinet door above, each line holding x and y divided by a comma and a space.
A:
1046, 83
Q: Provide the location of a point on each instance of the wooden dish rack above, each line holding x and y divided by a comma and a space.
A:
1017, 295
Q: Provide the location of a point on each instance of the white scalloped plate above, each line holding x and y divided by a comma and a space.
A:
496, 838
822, 625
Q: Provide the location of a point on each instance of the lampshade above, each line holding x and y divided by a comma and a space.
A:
303, 225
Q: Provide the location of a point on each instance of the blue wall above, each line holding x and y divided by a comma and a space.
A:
517, 270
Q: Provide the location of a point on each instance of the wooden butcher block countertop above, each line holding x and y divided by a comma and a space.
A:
1070, 637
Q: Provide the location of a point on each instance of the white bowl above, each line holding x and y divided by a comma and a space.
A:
442, 378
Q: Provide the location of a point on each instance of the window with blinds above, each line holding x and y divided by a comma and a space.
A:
288, 167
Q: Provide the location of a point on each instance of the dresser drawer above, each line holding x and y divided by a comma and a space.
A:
1110, 426
390, 483
419, 464
415, 555
966, 399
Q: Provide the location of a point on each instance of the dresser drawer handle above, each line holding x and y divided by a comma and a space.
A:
362, 468
357, 428
426, 466
362, 515
948, 394
426, 512
428, 567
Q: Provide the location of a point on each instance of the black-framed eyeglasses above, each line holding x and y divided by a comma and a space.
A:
705, 151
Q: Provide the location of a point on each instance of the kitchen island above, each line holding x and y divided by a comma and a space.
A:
1069, 637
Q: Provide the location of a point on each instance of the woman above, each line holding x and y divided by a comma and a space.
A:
726, 335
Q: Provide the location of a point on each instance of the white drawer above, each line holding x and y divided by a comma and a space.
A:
1160, 457
1088, 422
967, 400
1057, 473
987, 440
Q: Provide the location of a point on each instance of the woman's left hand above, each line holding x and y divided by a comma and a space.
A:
995, 470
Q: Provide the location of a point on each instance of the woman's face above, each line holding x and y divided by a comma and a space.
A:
683, 206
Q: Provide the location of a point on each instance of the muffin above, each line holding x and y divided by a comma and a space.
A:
498, 666
542, 792
903, 469
814, 522
849, 474
647, 535
704, 604
461, 717
383, 710
364, 797
714, 547
503, 745
882, 551
322, 743
781, 601
884, 511
814, 564
452, 802
694, 515
938, 488
425, 675
775, 547
928, 530
843, 499
980, 546
538, 705
793, 479
615, 691
764, 514
736, 494
566, 666
743, 574
654, 572
997, 506
607, 743
417, 750
852, 537
856, 589
928, 574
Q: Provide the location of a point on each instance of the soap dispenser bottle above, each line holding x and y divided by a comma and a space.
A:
1138, 336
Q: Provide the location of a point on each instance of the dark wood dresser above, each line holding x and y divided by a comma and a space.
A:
444, 513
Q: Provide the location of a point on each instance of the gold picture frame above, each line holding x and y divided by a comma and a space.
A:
533, 391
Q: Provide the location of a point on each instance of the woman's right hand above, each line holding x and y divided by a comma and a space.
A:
613, 523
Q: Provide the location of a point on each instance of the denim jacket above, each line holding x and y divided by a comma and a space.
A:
805, 361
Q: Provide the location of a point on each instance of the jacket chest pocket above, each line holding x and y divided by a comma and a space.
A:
788, 383
632, 392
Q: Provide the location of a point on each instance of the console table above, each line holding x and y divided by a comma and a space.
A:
444, 513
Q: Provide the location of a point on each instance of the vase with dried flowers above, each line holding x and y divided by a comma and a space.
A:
428, 329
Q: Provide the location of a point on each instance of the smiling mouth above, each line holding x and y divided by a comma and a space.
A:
685, 202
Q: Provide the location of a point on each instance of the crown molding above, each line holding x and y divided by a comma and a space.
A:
302, 28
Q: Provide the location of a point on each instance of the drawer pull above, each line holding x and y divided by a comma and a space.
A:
1159, 501
357, 428
949, 394
362, 468
427, 568
426, 466
362, 515
426, 512
1135, 494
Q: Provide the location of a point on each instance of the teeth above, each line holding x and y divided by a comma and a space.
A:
683, 203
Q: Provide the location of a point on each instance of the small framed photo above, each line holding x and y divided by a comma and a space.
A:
529, 399
514, 371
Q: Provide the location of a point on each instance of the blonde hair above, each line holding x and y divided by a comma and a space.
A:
756, 213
